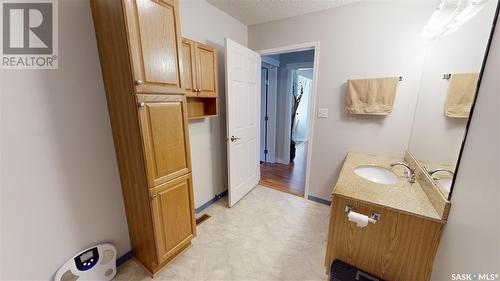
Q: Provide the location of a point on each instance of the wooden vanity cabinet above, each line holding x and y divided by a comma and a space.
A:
200, 78
398, 247
139, 40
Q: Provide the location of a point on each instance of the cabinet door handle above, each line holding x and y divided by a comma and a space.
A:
154, 196
138, 82
142, 104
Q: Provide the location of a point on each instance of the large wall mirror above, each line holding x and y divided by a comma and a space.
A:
451, 71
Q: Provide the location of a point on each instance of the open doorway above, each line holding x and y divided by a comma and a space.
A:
287, 106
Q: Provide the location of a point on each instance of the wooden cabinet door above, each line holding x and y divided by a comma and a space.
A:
398, 247
155, 43
188, 63
206, 59
173, 216
165, 138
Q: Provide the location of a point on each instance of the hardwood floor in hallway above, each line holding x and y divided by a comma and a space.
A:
287, 178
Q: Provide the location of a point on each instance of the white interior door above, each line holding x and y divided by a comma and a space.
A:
242, 119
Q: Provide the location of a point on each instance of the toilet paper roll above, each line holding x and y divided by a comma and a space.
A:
360, 219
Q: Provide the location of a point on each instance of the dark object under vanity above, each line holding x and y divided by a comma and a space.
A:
341, 271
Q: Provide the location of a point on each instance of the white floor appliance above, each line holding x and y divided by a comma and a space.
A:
97, 263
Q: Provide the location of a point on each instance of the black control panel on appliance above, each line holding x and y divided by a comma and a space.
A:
87, 259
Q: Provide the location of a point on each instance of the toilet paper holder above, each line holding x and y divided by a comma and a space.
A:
374, 215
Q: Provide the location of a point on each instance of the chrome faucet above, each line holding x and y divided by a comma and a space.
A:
409, 172
433, 171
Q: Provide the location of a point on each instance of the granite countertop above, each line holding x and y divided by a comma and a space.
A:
402, 196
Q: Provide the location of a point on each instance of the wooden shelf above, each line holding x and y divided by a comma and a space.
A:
201, 107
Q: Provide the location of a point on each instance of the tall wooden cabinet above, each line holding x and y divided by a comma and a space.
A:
200, 78
140, 51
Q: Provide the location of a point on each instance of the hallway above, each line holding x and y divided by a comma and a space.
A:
287, 178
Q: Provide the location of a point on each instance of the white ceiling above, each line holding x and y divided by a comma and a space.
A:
252, 12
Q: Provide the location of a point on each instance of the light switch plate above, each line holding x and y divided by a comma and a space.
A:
322, 112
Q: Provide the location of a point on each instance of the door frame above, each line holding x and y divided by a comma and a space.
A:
272, 71
296, 48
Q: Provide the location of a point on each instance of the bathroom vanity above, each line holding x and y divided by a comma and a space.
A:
405, 219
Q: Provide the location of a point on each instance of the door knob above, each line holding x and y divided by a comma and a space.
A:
233, 138
138, 82
142, 104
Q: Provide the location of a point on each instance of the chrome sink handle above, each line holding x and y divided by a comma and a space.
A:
408, 171
433, 171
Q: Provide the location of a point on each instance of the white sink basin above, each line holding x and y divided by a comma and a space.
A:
445, 183
376, 174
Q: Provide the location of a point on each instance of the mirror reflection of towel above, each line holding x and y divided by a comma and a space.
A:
461, 92
371, 96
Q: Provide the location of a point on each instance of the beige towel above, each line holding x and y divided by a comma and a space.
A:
461, 92
371, 96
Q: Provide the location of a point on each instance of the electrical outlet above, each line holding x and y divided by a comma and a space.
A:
323, 113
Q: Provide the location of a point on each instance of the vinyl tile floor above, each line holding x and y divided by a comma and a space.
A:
268, 235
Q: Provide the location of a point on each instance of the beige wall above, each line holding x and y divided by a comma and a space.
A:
60, 186
359, 40
203, 22
470, 241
